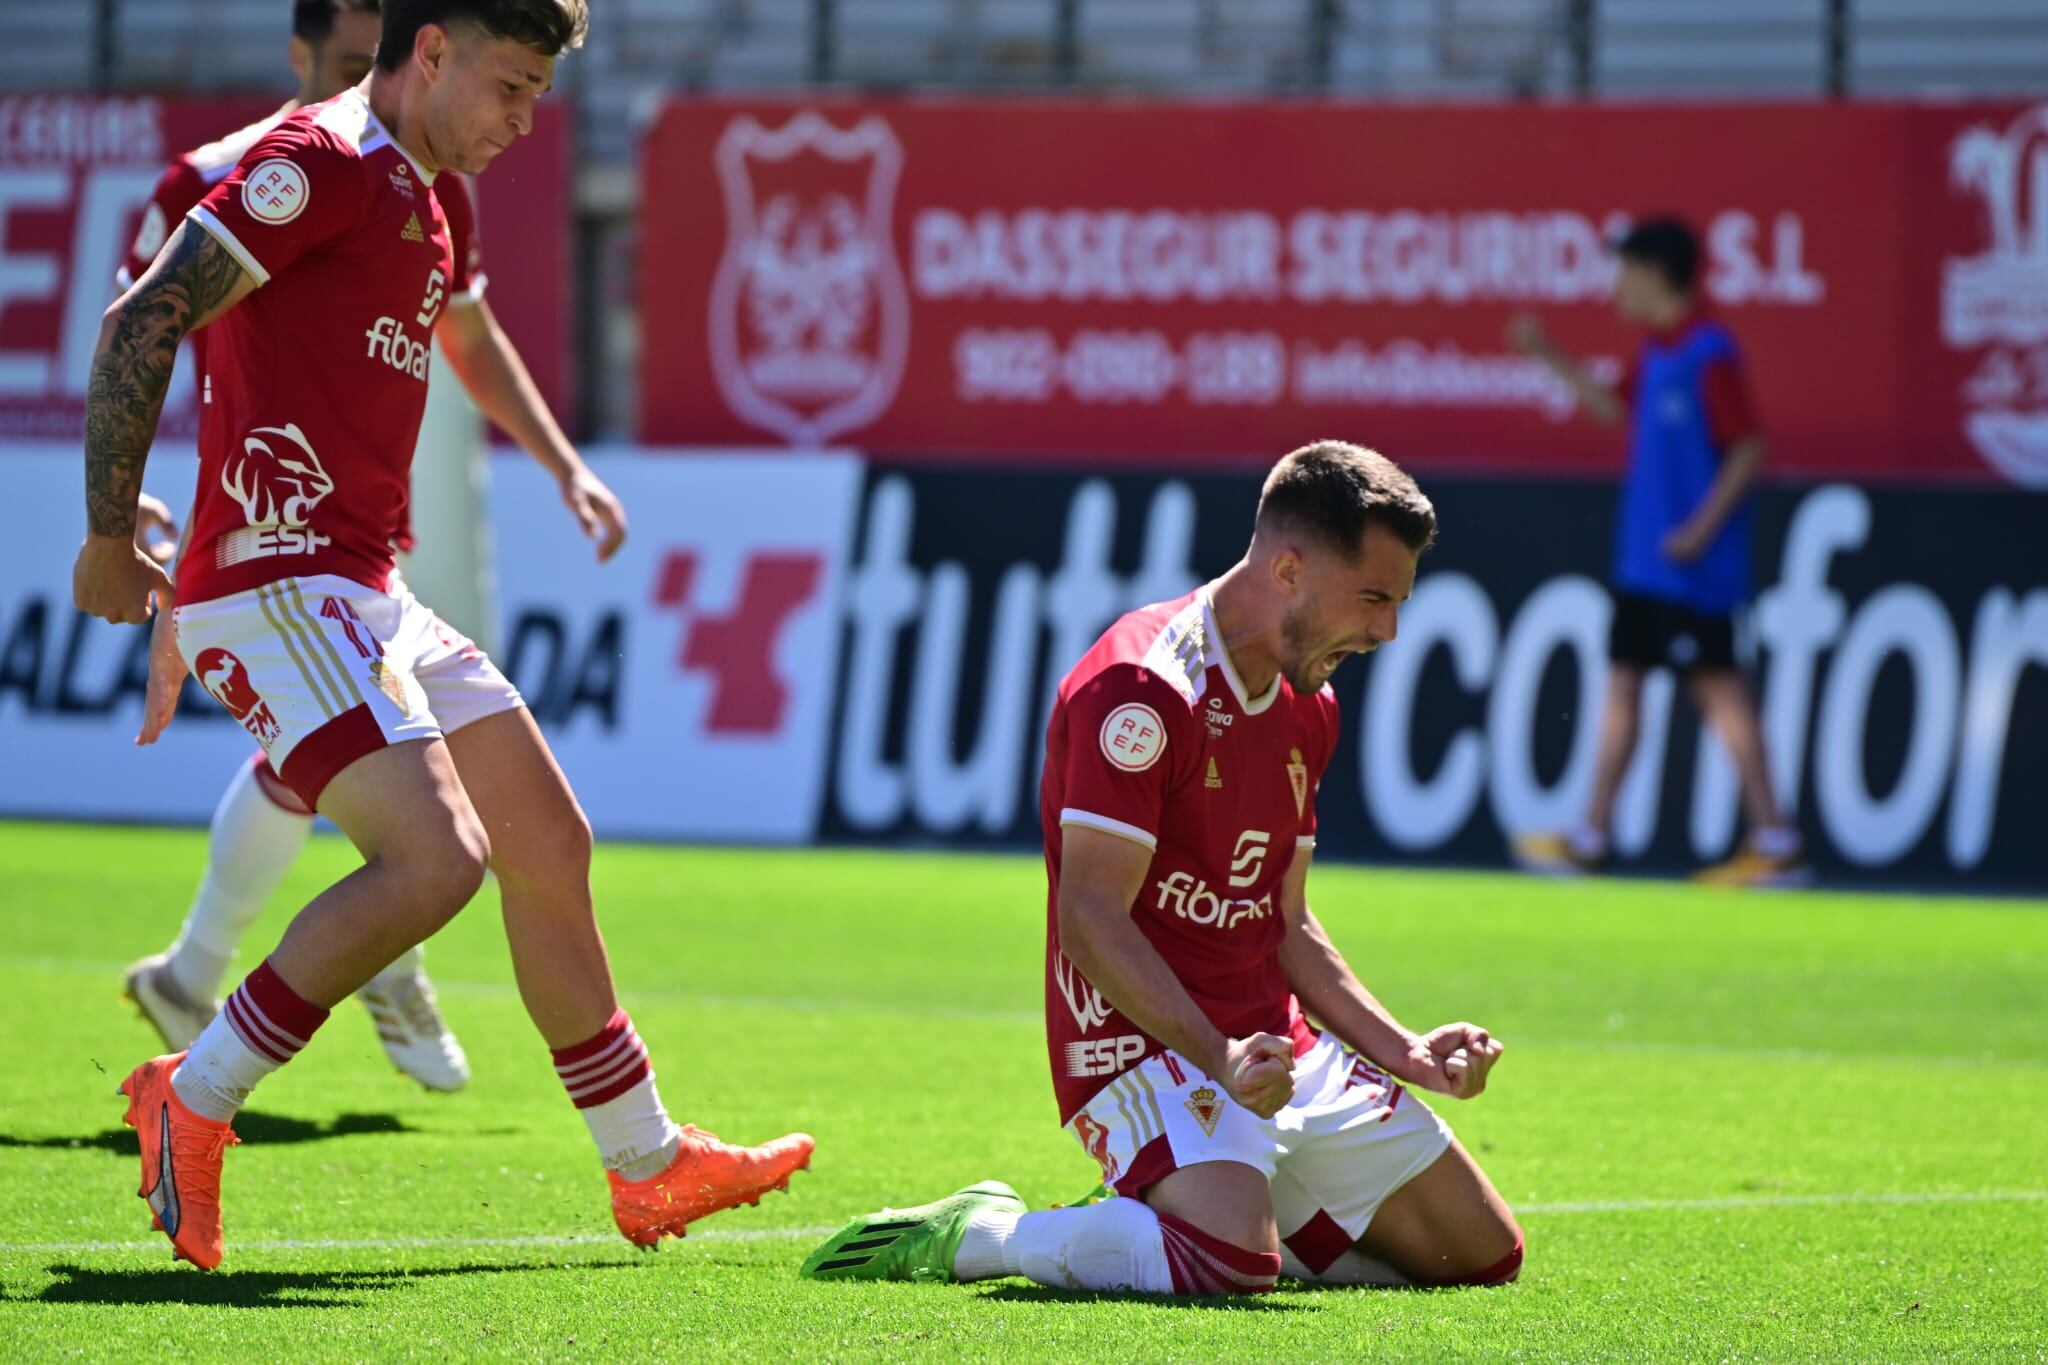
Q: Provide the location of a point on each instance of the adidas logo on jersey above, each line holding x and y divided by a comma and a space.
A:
412, 231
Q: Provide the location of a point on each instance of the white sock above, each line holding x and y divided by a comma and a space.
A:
634, 1132
988, 1249
611, 1081
1588, 842
400, 970
260, 1028
1352, 1267
1115, 1245
219, 1071
253, 844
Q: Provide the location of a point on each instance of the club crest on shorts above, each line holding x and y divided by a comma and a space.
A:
1297, 777
392, 684
224, 677
1206, 1108
810, 316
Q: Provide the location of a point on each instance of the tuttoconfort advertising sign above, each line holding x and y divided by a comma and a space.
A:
1902, 639
802, 647
1176, 283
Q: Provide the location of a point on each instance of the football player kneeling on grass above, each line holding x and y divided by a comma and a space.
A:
1184, 967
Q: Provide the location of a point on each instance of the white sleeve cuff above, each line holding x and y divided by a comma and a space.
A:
473, 294
1090, 820
1305, 841
204, 217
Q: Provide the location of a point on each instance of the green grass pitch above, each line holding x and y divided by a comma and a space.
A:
1736, 1127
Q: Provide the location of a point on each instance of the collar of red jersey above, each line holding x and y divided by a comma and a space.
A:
377, 127
1252, 705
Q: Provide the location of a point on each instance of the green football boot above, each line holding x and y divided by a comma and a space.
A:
907, 1244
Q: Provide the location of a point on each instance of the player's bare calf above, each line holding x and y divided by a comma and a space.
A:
424, 856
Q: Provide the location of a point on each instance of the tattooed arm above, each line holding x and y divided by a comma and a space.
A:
193, 281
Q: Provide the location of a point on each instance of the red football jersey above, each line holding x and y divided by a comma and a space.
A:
315, 382
186, 181
1154, 739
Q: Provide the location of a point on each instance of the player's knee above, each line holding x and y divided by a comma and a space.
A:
1501, 1270
443, 869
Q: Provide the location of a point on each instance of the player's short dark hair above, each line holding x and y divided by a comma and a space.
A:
1668, 246
549, 27
313, 20
1334, 490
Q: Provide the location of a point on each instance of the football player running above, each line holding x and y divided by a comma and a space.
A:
327, 235
1244, 1094
260, 825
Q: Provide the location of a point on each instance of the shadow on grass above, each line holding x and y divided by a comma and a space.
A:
254, 1288
1214, 1303
264, 1129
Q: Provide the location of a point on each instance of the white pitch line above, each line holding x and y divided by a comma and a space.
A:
1768, 1201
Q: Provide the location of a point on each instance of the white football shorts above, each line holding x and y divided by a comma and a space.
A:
323, 671
1350, 1138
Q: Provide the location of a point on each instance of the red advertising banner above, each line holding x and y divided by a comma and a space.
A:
75, 172
1180, 282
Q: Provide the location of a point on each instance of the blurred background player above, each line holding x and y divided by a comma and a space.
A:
1178, 804
260, 826
288, 609
1681, 564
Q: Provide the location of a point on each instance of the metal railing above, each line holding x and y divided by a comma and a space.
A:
1502, 48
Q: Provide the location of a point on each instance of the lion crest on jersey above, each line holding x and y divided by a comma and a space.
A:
810, 318
278, 481
1998, 300
1089, 1008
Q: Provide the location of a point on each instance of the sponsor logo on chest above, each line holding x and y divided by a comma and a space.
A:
387, 339
1190, 898
390, 344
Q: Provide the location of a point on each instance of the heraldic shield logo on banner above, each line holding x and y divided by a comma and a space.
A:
1997, 301
810, 318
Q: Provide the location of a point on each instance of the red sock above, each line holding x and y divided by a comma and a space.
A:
1202, 1264
605, 1065
611, 1082
262, 1026
271, 1018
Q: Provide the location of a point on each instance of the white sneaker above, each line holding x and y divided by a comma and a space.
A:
414, 1035
176, 1016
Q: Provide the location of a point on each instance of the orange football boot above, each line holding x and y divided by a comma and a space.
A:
181, 1159
706, 1177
